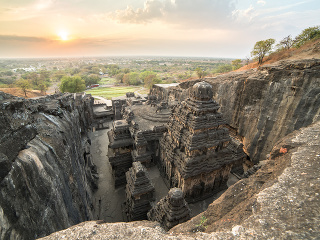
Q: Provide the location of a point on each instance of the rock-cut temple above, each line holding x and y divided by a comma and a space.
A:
188, 141
197, 152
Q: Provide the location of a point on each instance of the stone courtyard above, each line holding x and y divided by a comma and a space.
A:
145, 134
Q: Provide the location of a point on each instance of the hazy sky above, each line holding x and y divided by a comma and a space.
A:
210, 28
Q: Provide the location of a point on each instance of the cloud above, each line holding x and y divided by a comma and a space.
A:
245, 15
185, 13
152, 10
261, 2
11, 12
16, 38
44, 4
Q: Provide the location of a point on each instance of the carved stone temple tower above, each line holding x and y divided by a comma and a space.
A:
119, 150
170, 210
139, 192
197, 153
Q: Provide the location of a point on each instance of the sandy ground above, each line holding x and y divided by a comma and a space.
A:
19, 93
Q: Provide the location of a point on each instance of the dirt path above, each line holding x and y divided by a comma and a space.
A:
139, 90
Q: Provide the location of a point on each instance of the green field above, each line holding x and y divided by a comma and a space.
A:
105, 81
109, 92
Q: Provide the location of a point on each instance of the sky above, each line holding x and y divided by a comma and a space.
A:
202, 28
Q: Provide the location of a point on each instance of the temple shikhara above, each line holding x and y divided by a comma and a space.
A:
170, 210
197, 152
187, 140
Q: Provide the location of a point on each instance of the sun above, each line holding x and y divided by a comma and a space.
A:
64, 36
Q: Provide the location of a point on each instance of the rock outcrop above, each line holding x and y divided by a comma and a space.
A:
274, 110
46, 172
280, 201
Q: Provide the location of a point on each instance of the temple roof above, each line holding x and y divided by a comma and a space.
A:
202, 91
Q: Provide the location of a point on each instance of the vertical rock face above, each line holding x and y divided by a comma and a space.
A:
170, 210
267, 104
139, 192
197, 152
264, 105
46, 169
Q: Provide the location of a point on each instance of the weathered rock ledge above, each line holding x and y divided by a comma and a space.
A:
280, 201
45, 176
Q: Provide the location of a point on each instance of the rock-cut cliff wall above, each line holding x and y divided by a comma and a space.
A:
45, 166
263, 105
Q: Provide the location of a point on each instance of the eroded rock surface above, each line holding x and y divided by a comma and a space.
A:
280, 201
46, 170
263, 105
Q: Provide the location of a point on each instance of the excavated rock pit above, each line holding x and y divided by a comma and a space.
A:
47, 174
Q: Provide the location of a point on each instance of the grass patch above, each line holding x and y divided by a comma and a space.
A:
105, 81
3, 85
110, 92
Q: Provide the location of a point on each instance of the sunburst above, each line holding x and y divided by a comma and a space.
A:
64, 36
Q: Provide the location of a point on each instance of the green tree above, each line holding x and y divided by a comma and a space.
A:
285, 44
236, 64
34, 77
223, 68
91, 79
45, 75
24, 85
58, 75
43, 87
150, 80
95, 70
119, 77
262, 48
307, 35
200, 72
75, 71
8, 73
72, 84
132, 78
113, 69
145, 74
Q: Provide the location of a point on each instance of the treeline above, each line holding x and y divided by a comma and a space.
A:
264, 47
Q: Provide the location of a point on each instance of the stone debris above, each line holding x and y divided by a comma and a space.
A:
170, 210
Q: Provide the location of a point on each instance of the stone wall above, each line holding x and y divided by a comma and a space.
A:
46, 169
